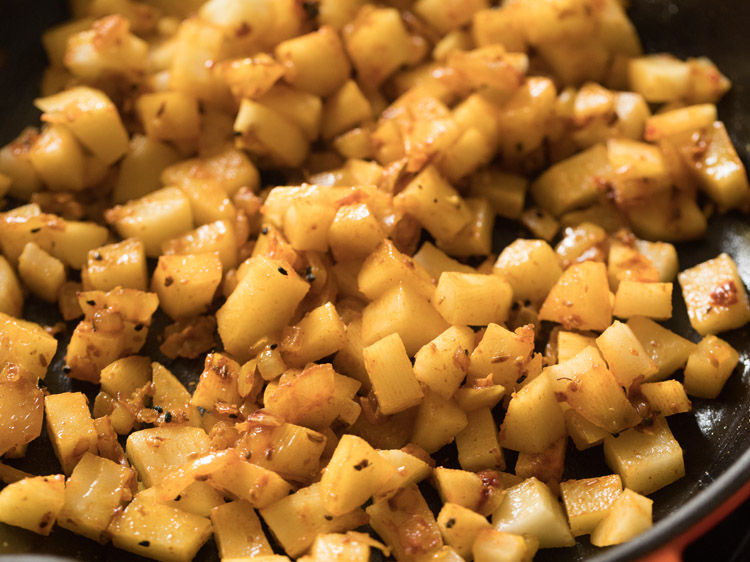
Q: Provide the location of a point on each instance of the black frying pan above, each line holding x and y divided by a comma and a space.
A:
716, 437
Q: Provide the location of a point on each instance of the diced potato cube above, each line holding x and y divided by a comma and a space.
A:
583, 433
386, 267
477, 444
296, 534
588, 501
652, 300
534, 419
238, 532
668, 350
587, 385
156, 451
94, 493
231, 169
70, 428
154, 218
531, 267
290, 450
250, 77
474, 239
506, 192
409, 470
580, 298
58, 159
33, 503
646, 460
354, 232
666, 398
92, 117
392, 375
573, 183
659, 78
502, 354
218, 237
709, 366
254, 484
355, 472
406, 524
21, 408
122, 264
442, 363
107, 48
11, 294
347, 107
262, 304
141, 167
460, 527
491, 66
159, 531
186, 284
378, 44
629, 516
267, 132
663, 256
531, 508
43, 274
715, 296
680, 120
625, 355
481, 492
435, 204
497, 546
403, 311
315, 62
26, 344
319, 334
169, 115
570, 344
303, 109
472, 299
437, 422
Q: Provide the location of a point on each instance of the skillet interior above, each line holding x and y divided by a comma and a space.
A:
716, 438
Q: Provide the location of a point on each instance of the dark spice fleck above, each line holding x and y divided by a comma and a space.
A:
282, 271
273, 346
98, 256
364, 463
168, 417
66, 369
158, 409
311, 9
91, 302
144, 543
449, 524
168, 281
178, 498
265, 230
328, 517
138, 327
232, 416
35, 230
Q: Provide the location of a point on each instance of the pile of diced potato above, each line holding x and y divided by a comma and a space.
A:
308, 192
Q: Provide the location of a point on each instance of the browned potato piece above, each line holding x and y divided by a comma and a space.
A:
21, 408
186, 284
715, 296
33, 502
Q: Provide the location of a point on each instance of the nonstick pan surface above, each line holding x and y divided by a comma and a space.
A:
716, 436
